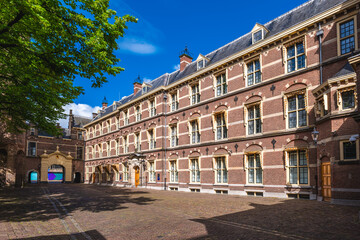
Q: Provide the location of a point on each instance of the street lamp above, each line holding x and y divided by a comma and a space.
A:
315, 135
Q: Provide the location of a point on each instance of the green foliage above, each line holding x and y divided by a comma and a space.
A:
44, 45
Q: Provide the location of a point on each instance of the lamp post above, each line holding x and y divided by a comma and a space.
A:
315, 137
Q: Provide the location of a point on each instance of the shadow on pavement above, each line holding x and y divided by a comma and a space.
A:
31, 203
291, 219
92, 233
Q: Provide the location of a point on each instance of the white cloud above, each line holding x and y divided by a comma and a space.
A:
177, 67
137, 46
80, 109
147, 80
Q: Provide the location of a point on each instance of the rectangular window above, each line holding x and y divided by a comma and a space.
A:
221, 85
347, 37
195, 94
221, 129
117, 146
254, 169
126, 146
79, 152
347, 99
295, 57
32, 149
174, 137
80, 136
221, 171
126, 118
137, 142
254, 119
298, 167
257, 36
126, 173
152, 173
201, 64
195, 170
152, 143
173, 172
152, 108
108, 149
348, 150
174, 102
297, 111
253, 72
195, 132
138, 113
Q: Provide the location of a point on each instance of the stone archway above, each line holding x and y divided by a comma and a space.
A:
56, 158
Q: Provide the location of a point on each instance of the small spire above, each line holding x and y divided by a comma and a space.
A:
104, 100
186, 52
138, 80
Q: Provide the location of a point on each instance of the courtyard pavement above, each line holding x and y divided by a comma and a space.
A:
77, 211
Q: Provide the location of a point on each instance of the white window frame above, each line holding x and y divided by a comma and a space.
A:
253, 73
126, 117
174, 171
215, 125
152, 171
125, 173
152, 140
222, 86
126, 144
152, 109
253, 36
195, 170
174, 138
192, 131
137, 142
224, 170
247, 120
195, 95
286, 108
138, 113
288, 167
355, 35
174, 101
255, 168
296, 56
340, 101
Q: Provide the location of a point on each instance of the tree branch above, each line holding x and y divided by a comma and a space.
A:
18, 17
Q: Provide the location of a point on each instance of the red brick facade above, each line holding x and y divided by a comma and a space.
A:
279, 159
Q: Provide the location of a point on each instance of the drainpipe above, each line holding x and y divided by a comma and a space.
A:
319, 34
165, 135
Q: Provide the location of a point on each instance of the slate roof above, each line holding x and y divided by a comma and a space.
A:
347, 69
81, 121
279, 24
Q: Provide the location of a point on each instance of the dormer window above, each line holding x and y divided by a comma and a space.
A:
258, 33
114, 107
145, 89
201, 61
257, 36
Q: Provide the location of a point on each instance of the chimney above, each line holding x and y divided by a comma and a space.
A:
71, 119
137, 85
185, 59
104, 103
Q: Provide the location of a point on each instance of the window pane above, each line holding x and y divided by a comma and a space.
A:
250, 79
293, 176
225, 176
301, 101
292, 120
257, 65
347, 45
302, 118
218, 90
258, 126
303, 178
225, 88
292, 103
251, 176
257, 77
250, 67
348, 100
293, 158
258, 176
301, 61
299, 48
291, 51
225, 132
251, 113
291, 65
251, 161
349, 150
302, 158
258, 163
347, 29
257, 36
257, 111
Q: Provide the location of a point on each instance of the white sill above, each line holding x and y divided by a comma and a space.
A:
221, 184
253, 185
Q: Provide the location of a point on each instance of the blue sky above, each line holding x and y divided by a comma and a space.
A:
151, 47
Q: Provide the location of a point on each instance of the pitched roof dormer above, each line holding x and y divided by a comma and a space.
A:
145, 87
258, 33
201, 61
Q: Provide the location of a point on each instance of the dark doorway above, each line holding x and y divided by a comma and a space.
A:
77, 178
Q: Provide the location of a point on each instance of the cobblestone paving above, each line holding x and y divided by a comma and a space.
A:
57, 211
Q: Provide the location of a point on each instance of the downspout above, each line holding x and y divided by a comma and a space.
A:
319, 34
165, 135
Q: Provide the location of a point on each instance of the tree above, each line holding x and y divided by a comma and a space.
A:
44, 45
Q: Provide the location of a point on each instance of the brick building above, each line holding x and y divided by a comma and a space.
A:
270, 114
35, 156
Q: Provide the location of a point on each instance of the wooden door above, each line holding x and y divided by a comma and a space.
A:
137, 176
326, 180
